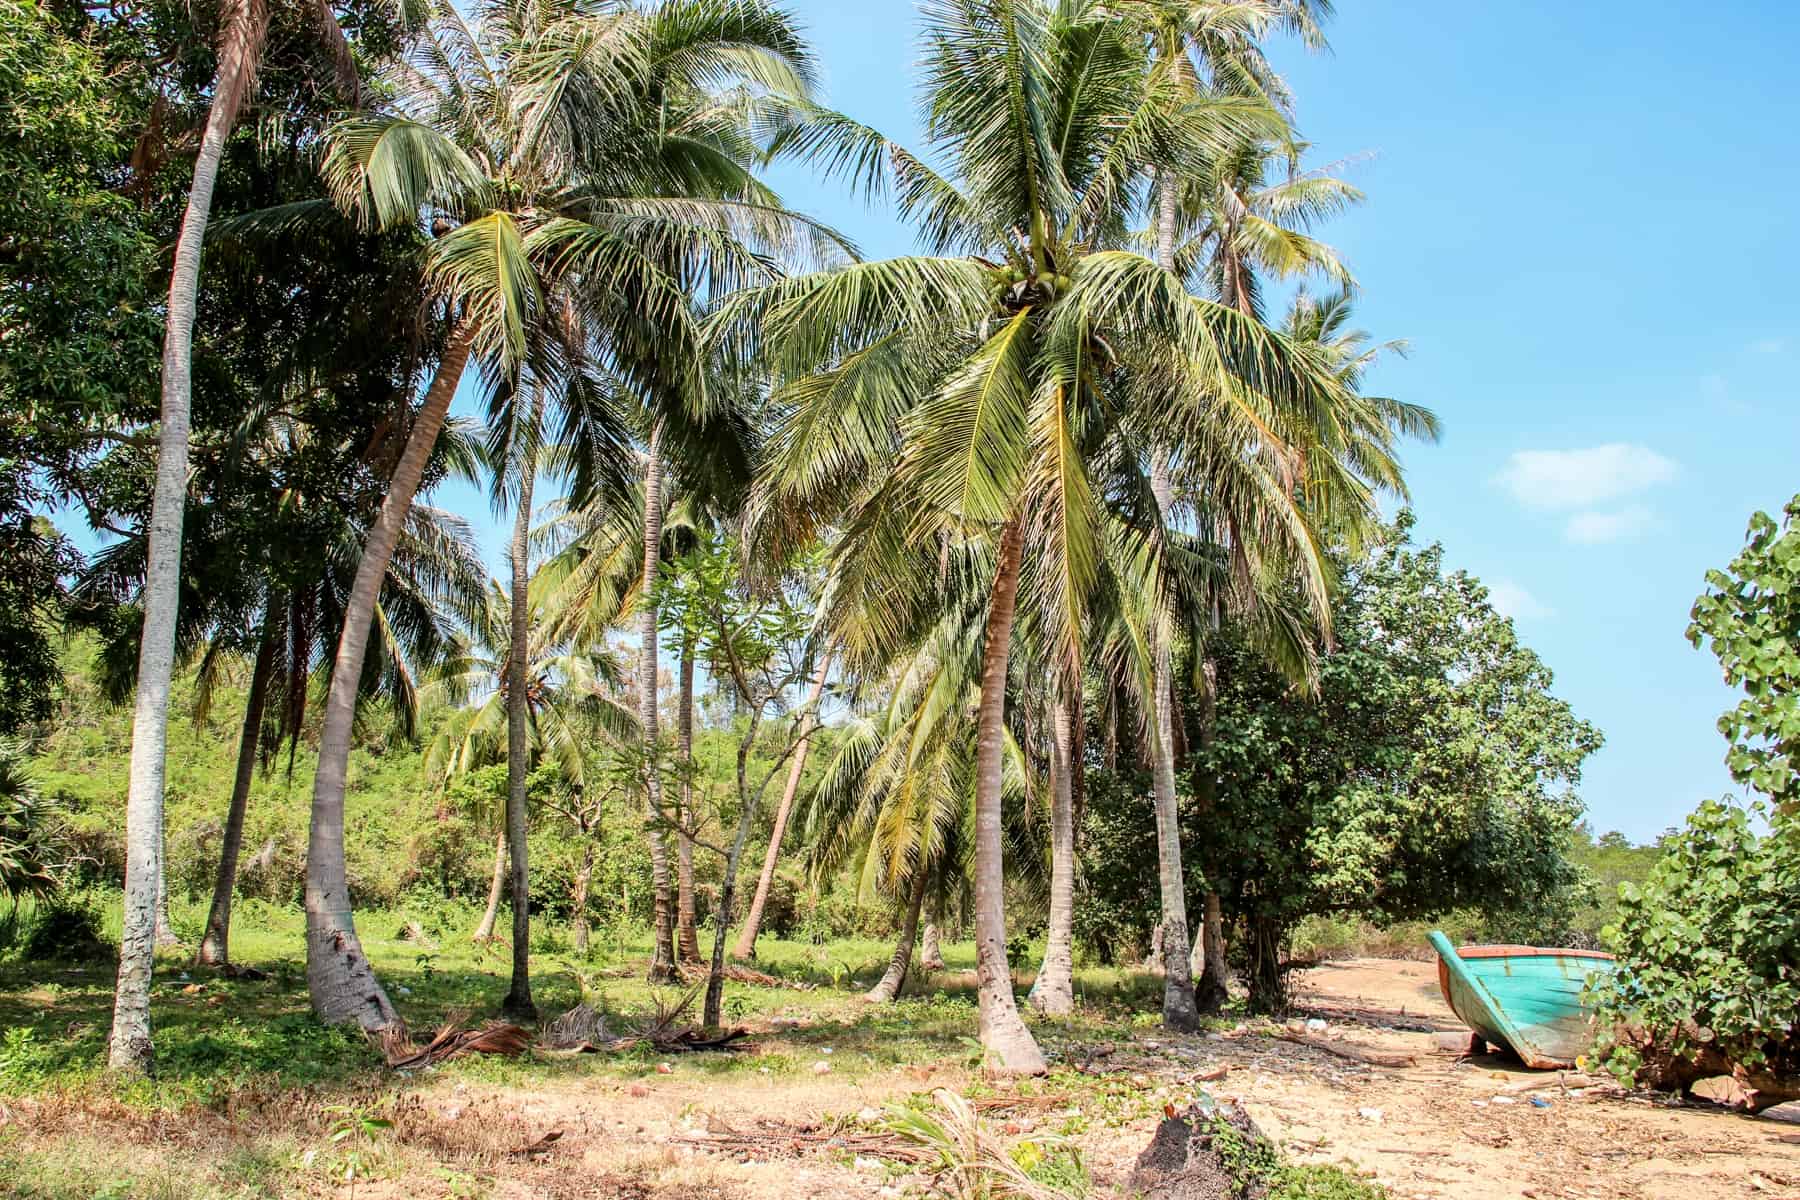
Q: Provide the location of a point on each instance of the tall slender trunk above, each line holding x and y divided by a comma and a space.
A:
1054, 991
715, 975
1179, 1009
339, 978
130, 1047
215, 945
662, 956
1011, 1048
484, 932
746, 943
518, 714
687, 940
583, 874
931, 949
1215, 975
1212, 988
888, 987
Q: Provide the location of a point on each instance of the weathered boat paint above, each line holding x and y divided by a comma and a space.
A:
1526, 998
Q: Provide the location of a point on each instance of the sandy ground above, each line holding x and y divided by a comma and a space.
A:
1446, 1126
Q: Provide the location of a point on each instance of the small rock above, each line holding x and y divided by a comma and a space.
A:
821, 1067
1371, 1115
868, 1116
638, 1090
1504, 1100
1317, 1025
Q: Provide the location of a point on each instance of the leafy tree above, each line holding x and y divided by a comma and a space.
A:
76, 261
1749, 617
1433, 770
753, 635
1705, 983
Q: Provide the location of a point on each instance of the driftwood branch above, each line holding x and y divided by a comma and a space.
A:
1374, 1058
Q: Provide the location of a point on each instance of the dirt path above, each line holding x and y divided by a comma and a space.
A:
1446, 1126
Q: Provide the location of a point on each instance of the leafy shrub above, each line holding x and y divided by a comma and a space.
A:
1707, 945
32, 849
66, 928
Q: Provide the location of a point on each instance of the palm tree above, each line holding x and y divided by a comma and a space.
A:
243, 24
1202, 51
896, 797
538, 143
435, 564
975, 404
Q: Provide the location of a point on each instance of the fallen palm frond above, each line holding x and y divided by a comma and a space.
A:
969, 1161
774, 1139
696, 974
582, 1029
452, 1041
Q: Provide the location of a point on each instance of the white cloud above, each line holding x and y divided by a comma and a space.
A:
1567, 479
1591, 528
1512, 600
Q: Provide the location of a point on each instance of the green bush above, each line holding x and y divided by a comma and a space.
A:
1707, 947
66, 928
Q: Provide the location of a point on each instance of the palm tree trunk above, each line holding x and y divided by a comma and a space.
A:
1054, 991
1011, 1048
931, 950
1179, 1010
888, 988
484, 932
518, 1003
130, 1047
746, 943
687, 936
215, 945
583, 874
662, 955
339, 979
1213, 987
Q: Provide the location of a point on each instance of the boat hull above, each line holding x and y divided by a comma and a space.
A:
1525, 998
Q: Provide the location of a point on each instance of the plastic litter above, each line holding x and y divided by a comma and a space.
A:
1316, 1025
1539, 1102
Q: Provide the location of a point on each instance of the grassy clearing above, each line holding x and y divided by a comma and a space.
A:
252, 1097
217, 1037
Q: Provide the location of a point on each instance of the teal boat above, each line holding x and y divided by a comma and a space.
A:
1524, 998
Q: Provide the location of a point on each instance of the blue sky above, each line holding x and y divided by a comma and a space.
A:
1581, 218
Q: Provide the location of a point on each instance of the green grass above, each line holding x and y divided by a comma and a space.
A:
216, 1036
